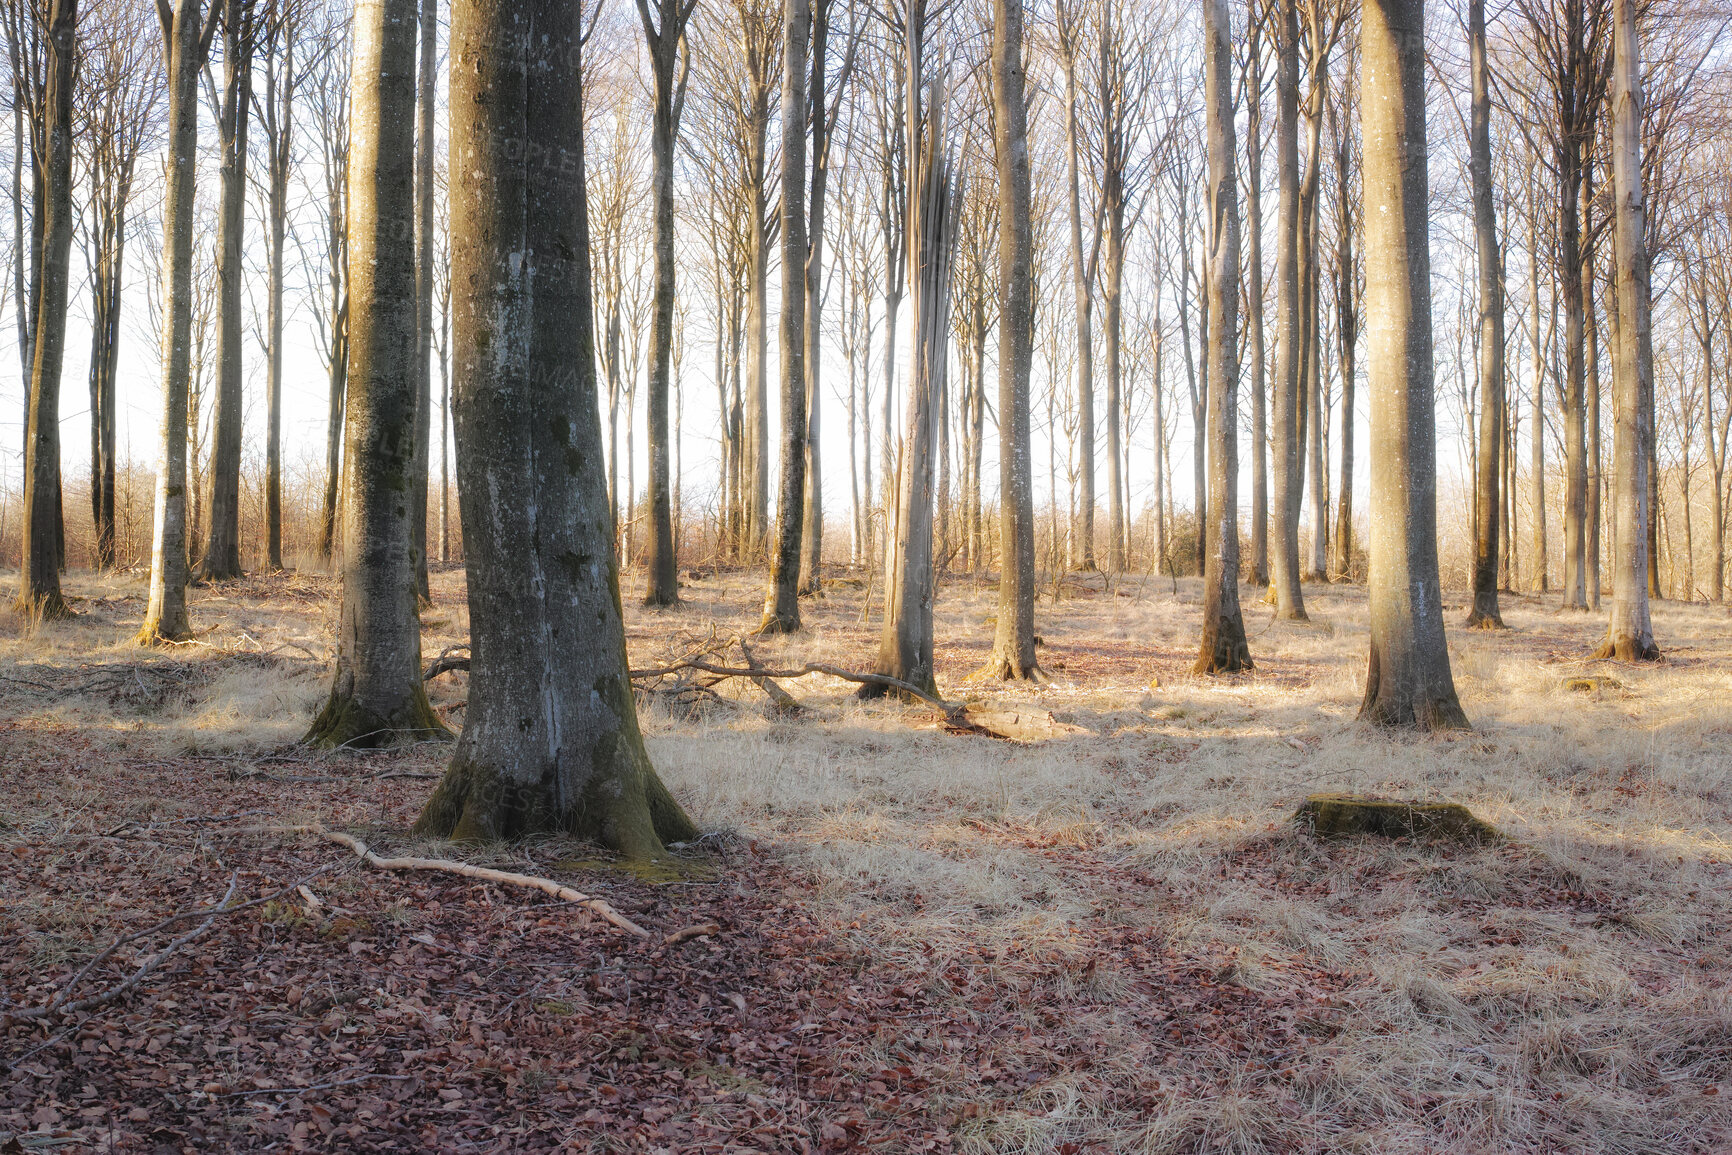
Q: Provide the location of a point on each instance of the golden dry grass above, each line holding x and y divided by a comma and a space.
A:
1565, 992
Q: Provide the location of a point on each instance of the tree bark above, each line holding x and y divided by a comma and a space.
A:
1630, 633
1347, 336
376, 694
664, 31
1408, 681
41, 548
278, 124
1289, 487
1223, 649
1488, 501
905, 645
426, 97
186, 37
782, 605
222, 555
1254, 265
1013, 655
551, 741
1082, 285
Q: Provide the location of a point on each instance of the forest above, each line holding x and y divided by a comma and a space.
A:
905, 575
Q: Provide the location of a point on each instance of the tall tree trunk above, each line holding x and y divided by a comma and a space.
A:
1407, 681
1223, 649
551, 741
222, 555
1574, 404
1630, 634
1541, 581
1591, 355
662, 586
1347, 336
1200, 428
812, 533
1082, 285
905, 645
376, 692
782, 604
426, 97
1488, 501
107, 265
1013, 655
279, 110
41, 548
1254, 298
337, 363
1289, 488
186, 40
1313, 422
756, 464
1113, 324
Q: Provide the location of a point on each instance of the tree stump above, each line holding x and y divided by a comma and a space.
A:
1343, 815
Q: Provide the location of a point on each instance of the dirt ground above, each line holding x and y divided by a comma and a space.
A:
1109, 937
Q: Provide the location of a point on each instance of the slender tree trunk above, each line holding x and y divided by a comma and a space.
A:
1574, 404
1591, 354
426, 97
1407, 681
1488, 502
1289, 488
222, 555
1200, 429
905, 645
1082, 285
1223, 649
41, 548
1013, 655
812, 533
1314, 420
1347, 335
106, 281
1112, 322
1537, 440
551, 741
186, 39
337, 258
1630, 635
662, 585
756, 464
279, 113
1259, 350
376, 692
782, 604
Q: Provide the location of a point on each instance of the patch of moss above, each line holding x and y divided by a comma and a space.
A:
1345, 815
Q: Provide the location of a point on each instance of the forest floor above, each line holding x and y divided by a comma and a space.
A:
1110, 937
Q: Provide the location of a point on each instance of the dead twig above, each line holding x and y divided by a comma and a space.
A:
452, 866
446, 662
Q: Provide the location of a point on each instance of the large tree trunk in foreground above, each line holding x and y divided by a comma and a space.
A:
41, 545
376, 695
1407, 682
551, 741
1223, 649
186, 40
1488, 502
222, 555
1289, 598
1630, 635
782, 606
1013, 641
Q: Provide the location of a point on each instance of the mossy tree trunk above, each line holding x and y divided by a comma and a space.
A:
1408, 681
39, 573
1223, 649
376, 696
551, 741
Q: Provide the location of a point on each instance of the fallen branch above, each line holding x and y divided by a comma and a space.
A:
701, 930
446, 662
241, 775
451, 866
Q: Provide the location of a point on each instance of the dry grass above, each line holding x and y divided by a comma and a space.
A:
1564, 992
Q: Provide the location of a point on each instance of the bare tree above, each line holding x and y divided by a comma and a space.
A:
1630, 633
1289, 490
42, 547
551, 741
1487, 500
1223, 649
376, 692
1407, 681
1013, 655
